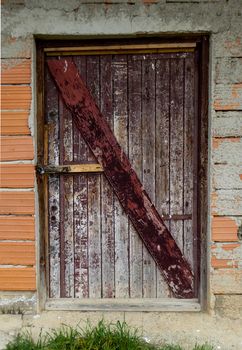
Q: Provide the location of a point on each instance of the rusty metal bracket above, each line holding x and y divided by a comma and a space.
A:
70, 168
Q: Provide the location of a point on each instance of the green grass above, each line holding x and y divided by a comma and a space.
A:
102, 337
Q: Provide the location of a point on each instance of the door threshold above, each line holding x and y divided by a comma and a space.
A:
147, 304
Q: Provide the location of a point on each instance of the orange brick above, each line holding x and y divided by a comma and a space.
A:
224, 229
16, 71
17, 279
223, 263
14, 123
16, 97
17, 175
228, 97
214, 197
232, 246
17, 253
16, 148
16, 203
17, 228
218, 141
234, 46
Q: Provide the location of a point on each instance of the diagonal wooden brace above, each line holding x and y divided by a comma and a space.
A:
123, 179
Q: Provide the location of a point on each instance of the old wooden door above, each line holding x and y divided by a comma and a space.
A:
150, 101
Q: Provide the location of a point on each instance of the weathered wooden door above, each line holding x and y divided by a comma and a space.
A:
150, 103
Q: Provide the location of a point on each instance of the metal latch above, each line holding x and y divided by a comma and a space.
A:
40, 170
240, 232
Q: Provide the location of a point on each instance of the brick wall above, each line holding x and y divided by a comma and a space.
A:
17, 202
226, 167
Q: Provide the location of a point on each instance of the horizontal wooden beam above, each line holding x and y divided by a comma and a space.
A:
147, 304
121, 47
73, 168
118, 52
115, 49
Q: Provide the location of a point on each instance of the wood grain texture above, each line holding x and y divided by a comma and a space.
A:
17, 253
93, 196
138, 304
17, 228
122, 47
52, 143
15, 279
17, 203
94, 211
75, 168
54, 238
189, 167
121, 132
66, 205
106, 158
176, 147
162, 151
81, 236
14, 123
107, 207
17, 175
135, 157
16, 71
16, 148
16, 97
80, 155
148, 167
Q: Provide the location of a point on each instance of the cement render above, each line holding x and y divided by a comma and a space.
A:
185, 329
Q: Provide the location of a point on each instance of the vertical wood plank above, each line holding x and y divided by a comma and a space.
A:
80, 149
80, 155
81, 236
189, 117
162, 151
66, 193
107, 207
54, 237
148, 152
94, 203
135, 157
52, 120
176, 147
121, 133
69, 239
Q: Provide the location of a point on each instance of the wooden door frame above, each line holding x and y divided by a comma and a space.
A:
201, 43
